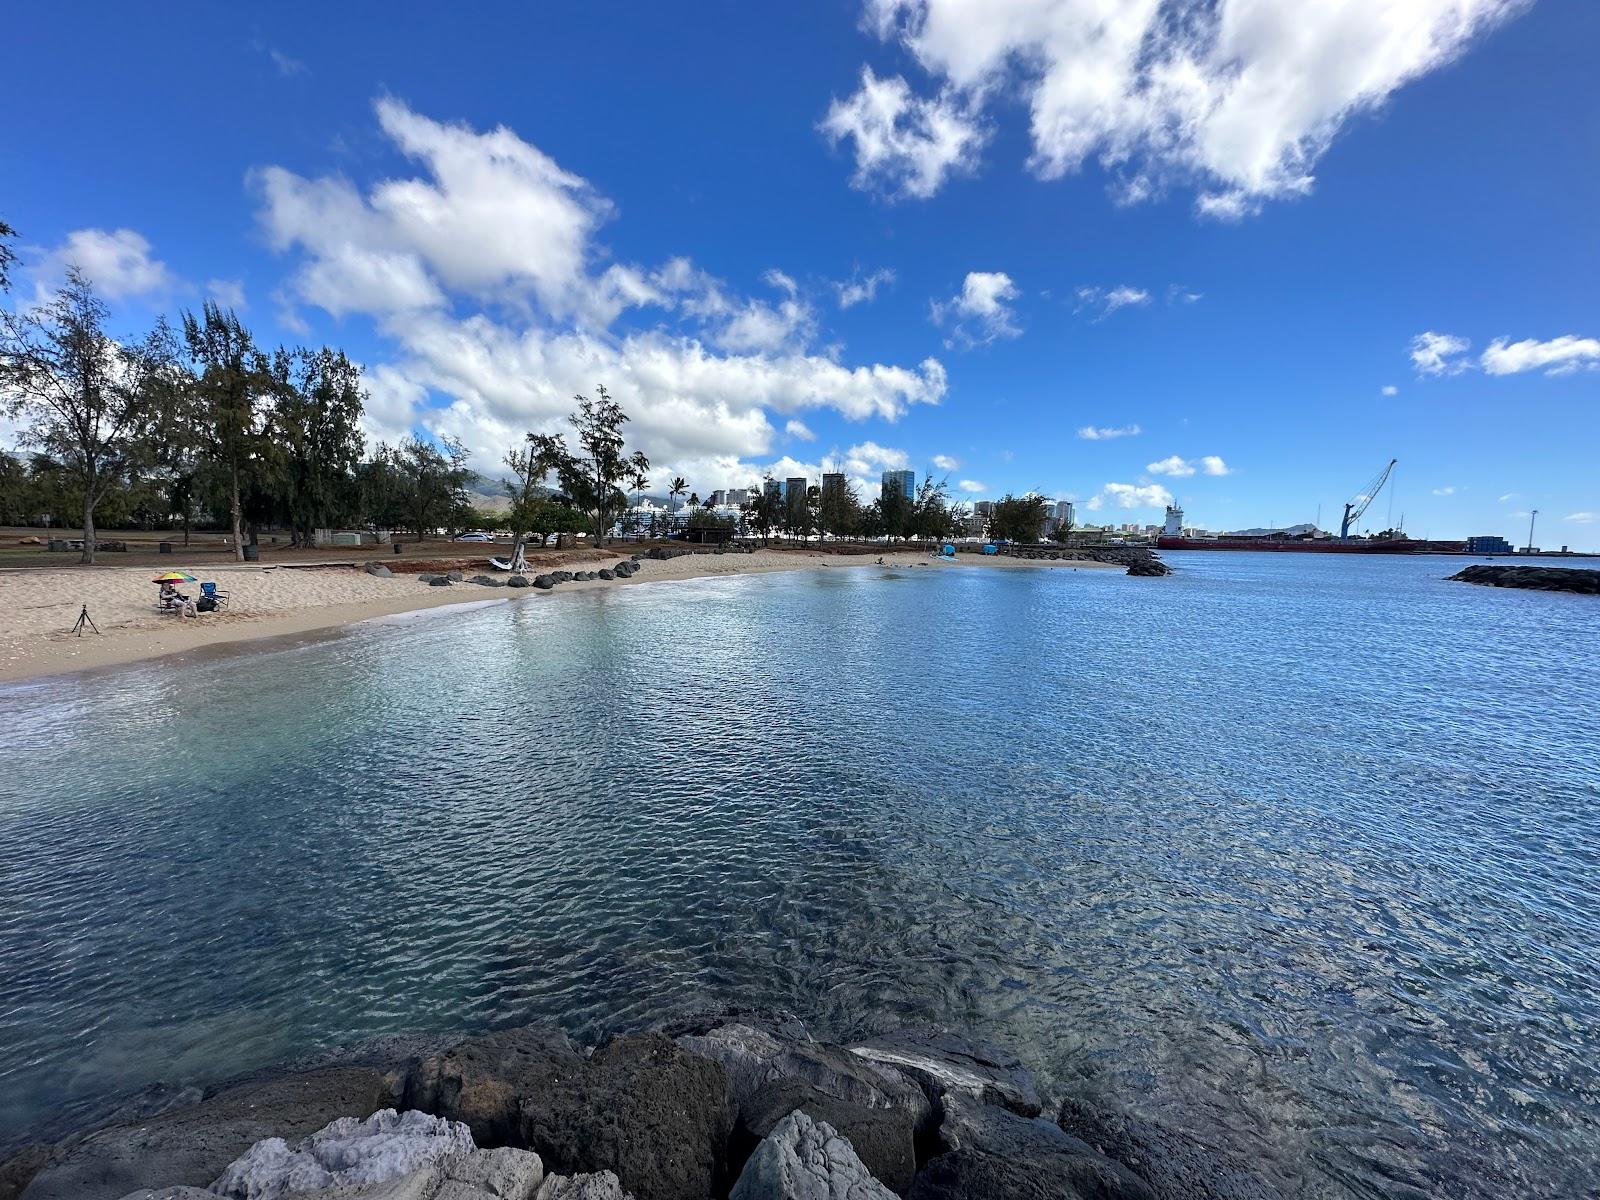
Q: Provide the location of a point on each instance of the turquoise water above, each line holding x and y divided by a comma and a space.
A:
1296, 853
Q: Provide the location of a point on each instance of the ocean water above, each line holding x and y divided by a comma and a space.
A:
1300, 855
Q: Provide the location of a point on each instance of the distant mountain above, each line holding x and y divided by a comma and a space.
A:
1286, 531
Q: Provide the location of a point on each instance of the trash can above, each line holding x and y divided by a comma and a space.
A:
252, 554
165, 548
397, 547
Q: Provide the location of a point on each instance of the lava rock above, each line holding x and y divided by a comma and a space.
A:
602, 1185
943, 1062
192, 1146
381, 571
642, 1107
517, 581
350, 1150
803, 1159
1176, 1166
1542, 579
454, 576
884, 1139
481, 1080
425, 577
439, 581
562, 576
607, 573
544, 582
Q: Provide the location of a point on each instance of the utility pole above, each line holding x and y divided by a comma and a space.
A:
1532, 517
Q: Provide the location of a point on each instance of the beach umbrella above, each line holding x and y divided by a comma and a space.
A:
173, 577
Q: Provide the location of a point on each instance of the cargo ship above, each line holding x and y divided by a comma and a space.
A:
1310, 545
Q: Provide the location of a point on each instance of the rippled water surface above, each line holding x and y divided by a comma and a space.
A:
1298, 854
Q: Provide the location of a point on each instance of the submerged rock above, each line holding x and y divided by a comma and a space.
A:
802, 1159
193, 1145
943, 1062
349, 1150
1176, 1166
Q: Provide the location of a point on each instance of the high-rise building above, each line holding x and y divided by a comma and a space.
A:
903, 483
1064, 513
794, 488
772, 487
833, 485
984, 508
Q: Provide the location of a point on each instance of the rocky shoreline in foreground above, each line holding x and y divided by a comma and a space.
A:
732, 1106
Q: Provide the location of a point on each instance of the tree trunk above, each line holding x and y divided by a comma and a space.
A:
88, 525
234, 512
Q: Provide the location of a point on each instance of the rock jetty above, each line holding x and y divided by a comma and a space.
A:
739, 1106
1139, 560
1540, 579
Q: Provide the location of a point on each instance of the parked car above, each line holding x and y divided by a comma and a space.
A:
474, 537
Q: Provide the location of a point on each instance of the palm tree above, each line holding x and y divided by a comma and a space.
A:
676, 489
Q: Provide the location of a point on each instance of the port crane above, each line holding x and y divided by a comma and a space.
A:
1354, 509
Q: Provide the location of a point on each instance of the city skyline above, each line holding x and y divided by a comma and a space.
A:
883, 264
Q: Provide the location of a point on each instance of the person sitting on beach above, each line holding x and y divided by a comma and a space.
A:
171, 597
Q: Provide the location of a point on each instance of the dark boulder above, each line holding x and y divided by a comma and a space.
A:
381, 571
607, 573
643, 1107
995, 1154
1176, 1166
438, 581
425, 577
544, 582
193, 1145
481, 1081
1541, 579
562, 576
454, 576
518, 581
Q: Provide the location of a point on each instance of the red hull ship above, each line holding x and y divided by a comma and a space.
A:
1314, 545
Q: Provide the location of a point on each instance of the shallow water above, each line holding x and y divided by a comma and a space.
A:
1299, 854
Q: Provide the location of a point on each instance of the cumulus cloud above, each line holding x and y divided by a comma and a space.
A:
1447, 490
484, 274
1583, 518
981, 311
1129, 495
972, 487
1438, 353
1238, 98
1389, 389
904, 145
119, 263
1106, 301
863, 289
1558, 356
1170, 466
799, 430
1101, 433
229, 293
945, 463
1178, 468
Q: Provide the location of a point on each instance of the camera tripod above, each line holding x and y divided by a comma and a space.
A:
85, 619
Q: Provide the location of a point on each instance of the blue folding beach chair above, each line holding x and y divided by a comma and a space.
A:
208, 591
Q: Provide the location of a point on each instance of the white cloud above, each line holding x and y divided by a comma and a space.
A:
1239, 98
1101, 433
229, 293
1509, 496
1583, 518
117, 261
1438, 353
1559, 356
1447, 490
1213, 465
1128, 495
1174, 466
904, 145
287, 67
863, 289
945, 463
1389, 389
981, 312
799, 430
1108, 300
485, 277
972, 487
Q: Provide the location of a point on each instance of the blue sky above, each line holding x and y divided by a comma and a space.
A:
1225, 226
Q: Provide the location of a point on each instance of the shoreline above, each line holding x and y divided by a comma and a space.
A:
278, 602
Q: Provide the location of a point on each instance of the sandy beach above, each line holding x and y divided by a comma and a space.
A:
38, 607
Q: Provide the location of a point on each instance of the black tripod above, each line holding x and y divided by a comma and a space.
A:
84, 619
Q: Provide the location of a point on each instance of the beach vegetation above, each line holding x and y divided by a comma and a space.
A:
1018, 518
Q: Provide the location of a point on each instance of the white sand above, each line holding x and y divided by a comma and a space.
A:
39, 607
